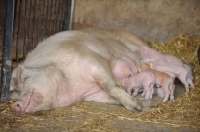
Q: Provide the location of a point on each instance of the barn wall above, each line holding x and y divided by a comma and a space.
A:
154, 20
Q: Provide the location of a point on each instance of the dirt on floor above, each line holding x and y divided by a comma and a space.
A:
87, 116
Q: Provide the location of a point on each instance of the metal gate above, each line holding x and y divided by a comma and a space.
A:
26, 23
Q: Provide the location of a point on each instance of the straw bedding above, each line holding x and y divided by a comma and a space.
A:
89, 116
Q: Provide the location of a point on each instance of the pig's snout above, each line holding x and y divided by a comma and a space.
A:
17, 107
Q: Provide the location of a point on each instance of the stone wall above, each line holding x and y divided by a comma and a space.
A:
154, 20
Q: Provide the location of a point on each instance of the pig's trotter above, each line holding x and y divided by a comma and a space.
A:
166, 97
146, 104
172, 92
152, 90
129, 102
147, 96
143, 93
186, 87
135, 92
107, 82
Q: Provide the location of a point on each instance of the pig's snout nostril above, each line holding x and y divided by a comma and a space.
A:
17, 107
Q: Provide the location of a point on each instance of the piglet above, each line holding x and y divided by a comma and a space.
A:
150, 53
180, 72
139, 81
154, 55
162, 79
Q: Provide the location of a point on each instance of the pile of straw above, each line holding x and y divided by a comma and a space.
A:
89, 116
185, 111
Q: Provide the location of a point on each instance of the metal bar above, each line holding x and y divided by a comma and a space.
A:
50, 14
29, 27
55, 16
62, 15
44, 5
68, 13
7, 50
65, 16
198, 54
24, 43
59, 14
71, 15
47, 17
33, 29
15, 10
18, 28
38, 27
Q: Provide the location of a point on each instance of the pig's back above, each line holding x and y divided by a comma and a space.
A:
50, 48
55, 43
131, 40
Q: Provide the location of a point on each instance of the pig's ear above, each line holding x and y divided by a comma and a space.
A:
27, 72
19, 73
13, 84
16, 78
13, 81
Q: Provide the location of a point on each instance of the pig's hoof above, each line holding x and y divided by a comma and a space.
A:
134, 95
164, 100
138, 106
172, 98
147, 104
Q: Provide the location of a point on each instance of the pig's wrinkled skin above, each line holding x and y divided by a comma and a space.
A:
143, 80
74, 66
183, 74
162, 79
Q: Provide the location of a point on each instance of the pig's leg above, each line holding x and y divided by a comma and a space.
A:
105, 79
135, 91
190, 82
152, 90
147, 90
143, 93
167, 92
160, 92
183, 79
103, 97
102, 74
172, 87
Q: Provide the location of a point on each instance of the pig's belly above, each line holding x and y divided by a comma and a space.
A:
96, 94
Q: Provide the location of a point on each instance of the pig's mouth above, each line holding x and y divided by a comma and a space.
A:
20, 107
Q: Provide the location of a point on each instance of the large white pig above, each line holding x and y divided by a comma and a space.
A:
74, 66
